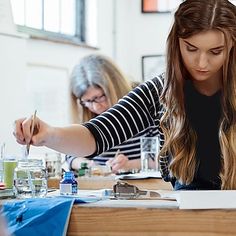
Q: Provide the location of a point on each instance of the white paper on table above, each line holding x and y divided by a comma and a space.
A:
207, 199
141, 175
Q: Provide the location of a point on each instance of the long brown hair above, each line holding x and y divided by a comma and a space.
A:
192, 17
98, 71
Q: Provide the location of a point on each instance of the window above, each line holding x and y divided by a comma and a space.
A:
54, 19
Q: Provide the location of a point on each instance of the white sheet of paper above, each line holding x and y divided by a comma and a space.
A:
141, 175
209, 199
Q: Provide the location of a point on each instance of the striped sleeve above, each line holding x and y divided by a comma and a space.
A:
133, 114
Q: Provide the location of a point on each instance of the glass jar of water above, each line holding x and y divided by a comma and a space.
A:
30, 179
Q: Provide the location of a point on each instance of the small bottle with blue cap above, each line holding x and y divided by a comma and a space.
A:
68, 185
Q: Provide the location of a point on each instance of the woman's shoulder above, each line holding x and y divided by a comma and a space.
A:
157, 81
154, 85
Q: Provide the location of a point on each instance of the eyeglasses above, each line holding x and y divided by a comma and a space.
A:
88, 103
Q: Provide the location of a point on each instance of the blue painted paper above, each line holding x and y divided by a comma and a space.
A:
38, 216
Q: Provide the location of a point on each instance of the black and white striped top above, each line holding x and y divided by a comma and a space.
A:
134, 114
130, 148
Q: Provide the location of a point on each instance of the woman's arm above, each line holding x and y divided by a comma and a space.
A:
75, 140
133, 114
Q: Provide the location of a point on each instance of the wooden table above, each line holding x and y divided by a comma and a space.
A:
102, 182
148, 218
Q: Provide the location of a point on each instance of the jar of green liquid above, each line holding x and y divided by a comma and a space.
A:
9, 165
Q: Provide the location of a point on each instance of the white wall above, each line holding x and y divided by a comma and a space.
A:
138, 34
34, 73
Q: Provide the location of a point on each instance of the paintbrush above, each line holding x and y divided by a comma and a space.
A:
31, 133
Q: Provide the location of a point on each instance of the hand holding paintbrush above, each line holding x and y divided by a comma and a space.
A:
118, 163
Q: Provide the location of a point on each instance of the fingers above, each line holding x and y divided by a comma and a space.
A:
37, 138
18, 131
118, 163
109, 162
22, 130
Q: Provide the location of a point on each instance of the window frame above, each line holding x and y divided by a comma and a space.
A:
78, 38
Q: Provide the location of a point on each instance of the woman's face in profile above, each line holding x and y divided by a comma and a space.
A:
95, 100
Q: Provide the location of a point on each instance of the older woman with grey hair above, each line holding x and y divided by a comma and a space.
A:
96, 84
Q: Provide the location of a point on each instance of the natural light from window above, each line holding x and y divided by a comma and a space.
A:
33, 16
68, 17
91, 22
56, 16
52, 15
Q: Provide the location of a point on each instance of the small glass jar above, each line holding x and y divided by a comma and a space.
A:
30, 179
53, 164
68, 185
